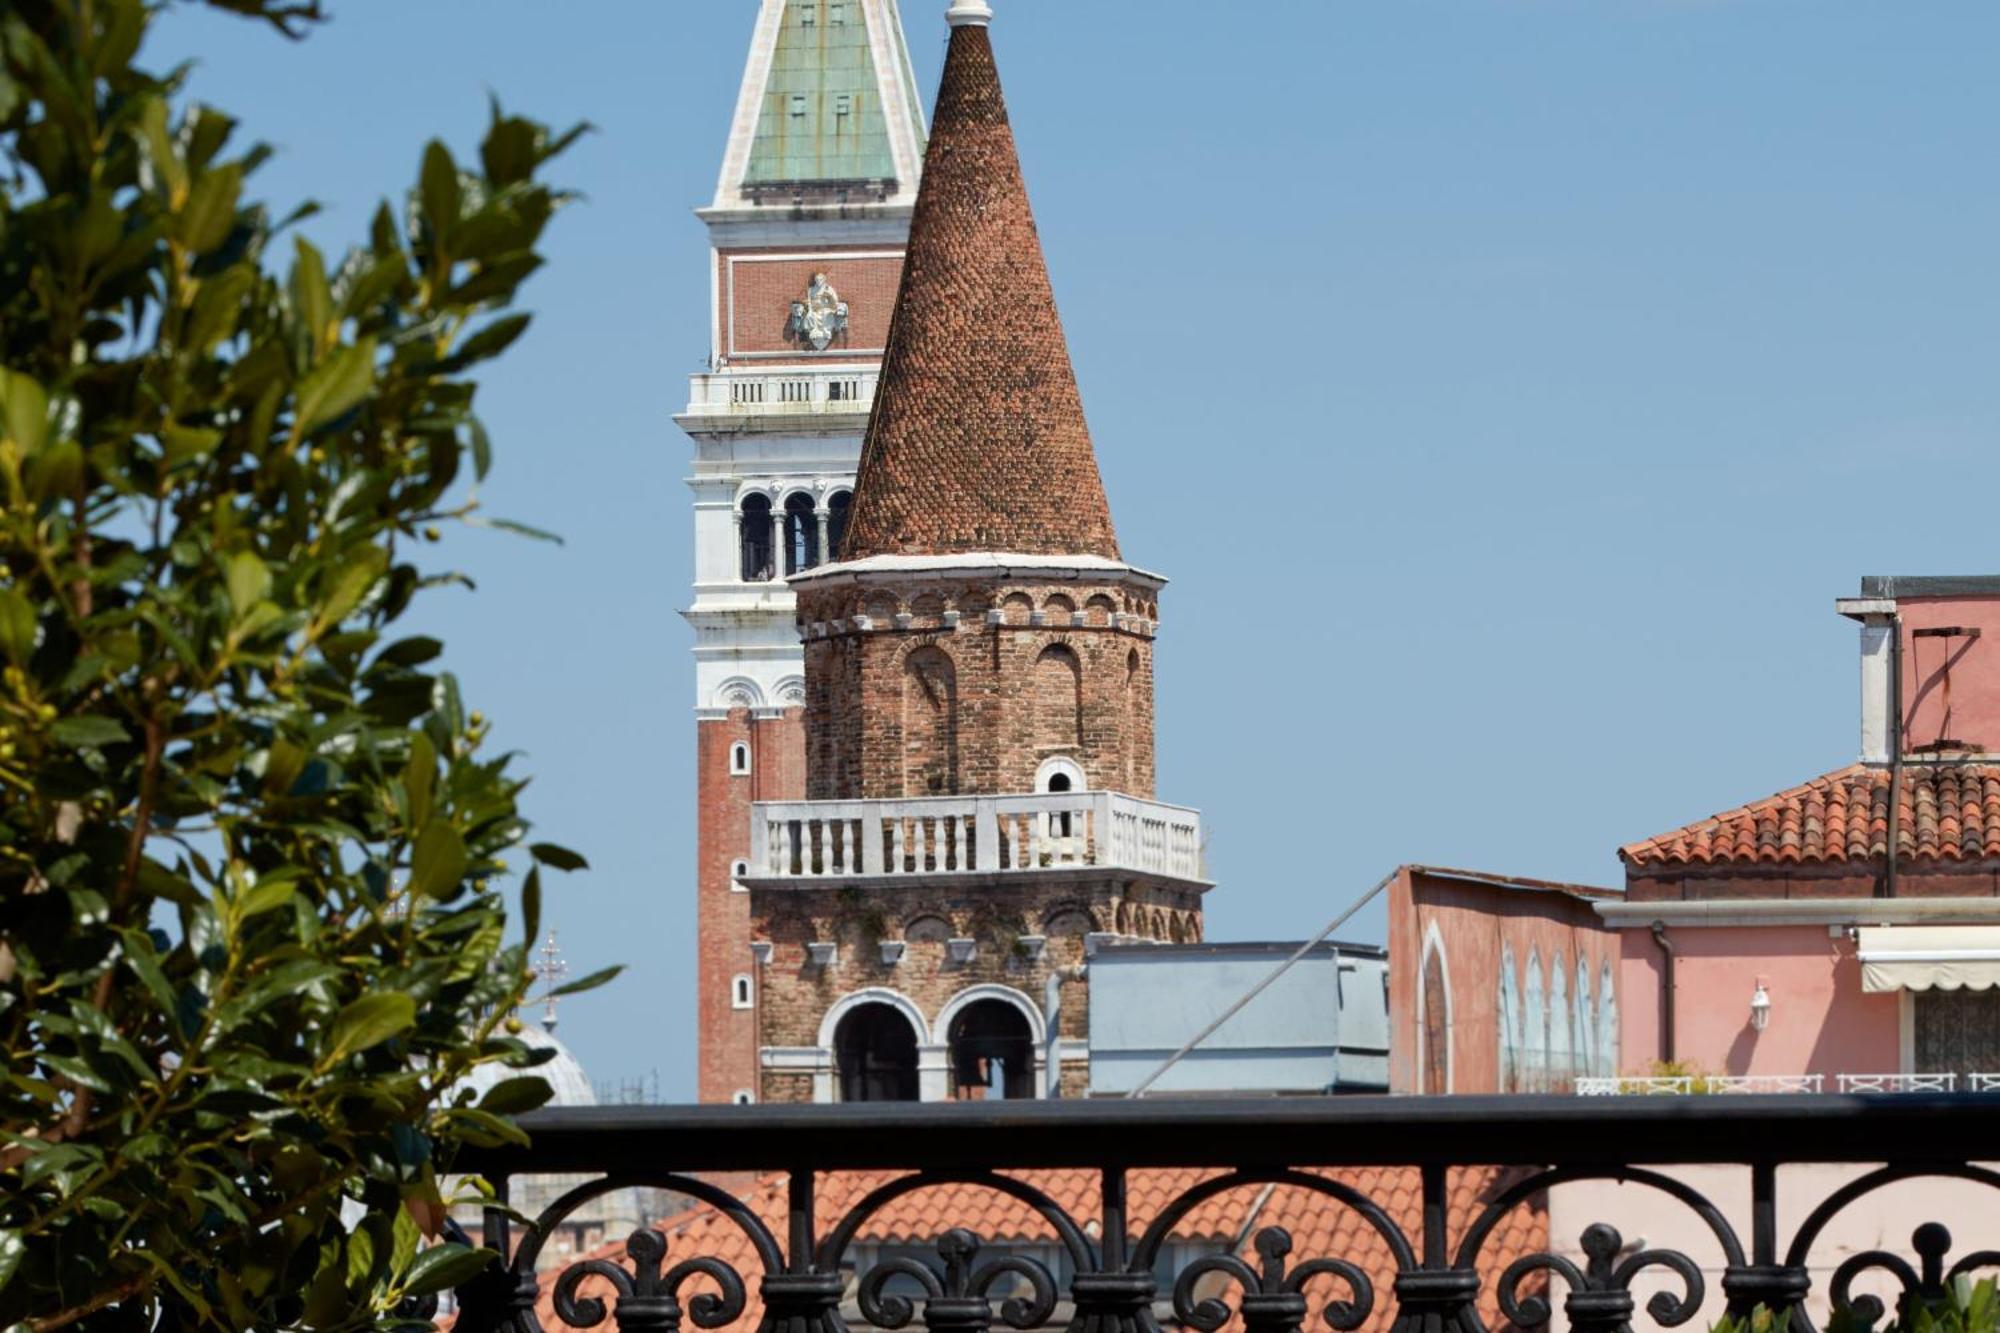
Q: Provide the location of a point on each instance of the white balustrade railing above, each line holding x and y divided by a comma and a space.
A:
1645, 1085
783, 393
951, 835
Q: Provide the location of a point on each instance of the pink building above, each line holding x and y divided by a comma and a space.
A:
1845, 932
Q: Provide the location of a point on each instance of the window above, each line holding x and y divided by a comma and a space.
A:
875, 1052
740, 993
992, 1053
843, 105
739, 759
836, 522
837, 11
809, 14
798, 105
1437, 1024
737, 871
744, 1097
1956, 1032
801, 539
758, 548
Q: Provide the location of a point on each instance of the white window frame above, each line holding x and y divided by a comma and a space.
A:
743, 1097
737, 870
739, 759
742, 991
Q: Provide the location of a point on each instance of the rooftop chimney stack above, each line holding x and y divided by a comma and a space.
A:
1877, 616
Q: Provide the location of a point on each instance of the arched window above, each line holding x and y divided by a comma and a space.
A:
875, 1051
737, 871
1560, 1052
740, 993
1584, 1021
1058, 698
1510, 1022
930, 724
744, 1097
992, 1052
758, 550
739, 759
1607, 1019
1534, 1029
801, 540
837, 508
1437, 1021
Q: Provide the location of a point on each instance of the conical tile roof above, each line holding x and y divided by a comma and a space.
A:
978, 441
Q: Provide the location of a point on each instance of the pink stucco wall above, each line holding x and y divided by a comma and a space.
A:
1822, 1022
1974, 670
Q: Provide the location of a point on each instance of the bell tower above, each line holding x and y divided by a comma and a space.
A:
978, 687
807, 234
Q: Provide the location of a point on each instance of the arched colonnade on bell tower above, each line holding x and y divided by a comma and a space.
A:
985, 1042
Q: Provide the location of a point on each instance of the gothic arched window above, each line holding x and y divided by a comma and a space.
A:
1510, 1022
1534, 1030
758, 553
875, 1050
1607, 1018
992, 1053
1437, 1023
838, 507
801, 539
1560, 1052
1584, 1022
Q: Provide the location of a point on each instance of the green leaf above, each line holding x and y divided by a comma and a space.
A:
559, 858
17, 627
209, 215
515, 1095
439, 189
56, 471
340, 382
531, 904
90, 732
370, 1021
438, 865
12, 1250
249, 581
350, 583
442, 1267
184, 444
311, 297
591, 982
518, 529
25, 404
420, 778
268, 896
489, 342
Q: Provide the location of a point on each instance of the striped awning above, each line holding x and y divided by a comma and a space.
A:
1929, 957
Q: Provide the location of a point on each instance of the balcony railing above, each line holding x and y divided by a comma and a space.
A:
1648, 1085
808, 392
974, 835
780, 1243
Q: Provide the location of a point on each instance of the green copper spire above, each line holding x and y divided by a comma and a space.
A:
822, 117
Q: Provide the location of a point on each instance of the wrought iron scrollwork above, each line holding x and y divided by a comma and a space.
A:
647, 1297
1929, 1285
1600, 1294
1274, 1299
960, 1300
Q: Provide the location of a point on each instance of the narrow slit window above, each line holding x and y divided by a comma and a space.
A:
739, 759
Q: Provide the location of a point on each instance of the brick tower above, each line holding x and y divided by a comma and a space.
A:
979, 689
807, 233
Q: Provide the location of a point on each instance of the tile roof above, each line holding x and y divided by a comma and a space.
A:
1948, 812
978, 441
1320, 1226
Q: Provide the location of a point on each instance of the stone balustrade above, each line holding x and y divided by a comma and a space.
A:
974, 835
791, 392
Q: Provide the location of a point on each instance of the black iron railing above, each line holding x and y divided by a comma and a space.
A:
1435, 1277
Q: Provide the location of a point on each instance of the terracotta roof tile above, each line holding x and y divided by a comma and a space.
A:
978, 441
1320, 1226
1948, 812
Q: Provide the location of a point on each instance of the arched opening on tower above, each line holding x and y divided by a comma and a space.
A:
930, 724
801, 534
837, 511
1058, 699
759, 562
875, 1050
992, 1053
1437, 1026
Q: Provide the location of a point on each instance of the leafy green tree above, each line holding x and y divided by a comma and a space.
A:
251, 930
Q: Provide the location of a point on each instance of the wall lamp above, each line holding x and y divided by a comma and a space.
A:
1760, 1007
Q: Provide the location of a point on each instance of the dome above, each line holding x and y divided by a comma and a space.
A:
564, 1072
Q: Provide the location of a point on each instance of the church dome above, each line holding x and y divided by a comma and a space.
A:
563, 1071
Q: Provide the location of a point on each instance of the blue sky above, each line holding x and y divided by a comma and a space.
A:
1508, 386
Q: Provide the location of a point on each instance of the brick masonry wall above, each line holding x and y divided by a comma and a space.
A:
795, 994
930, 699
727, 1036
757, 292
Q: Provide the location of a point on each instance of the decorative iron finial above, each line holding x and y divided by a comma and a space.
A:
551, 968
969, 14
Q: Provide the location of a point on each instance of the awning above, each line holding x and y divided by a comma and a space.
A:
1929, 957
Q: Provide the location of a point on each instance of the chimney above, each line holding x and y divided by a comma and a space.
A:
1877, 616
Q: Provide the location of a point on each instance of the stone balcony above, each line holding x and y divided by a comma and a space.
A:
1078, 834
794, 392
